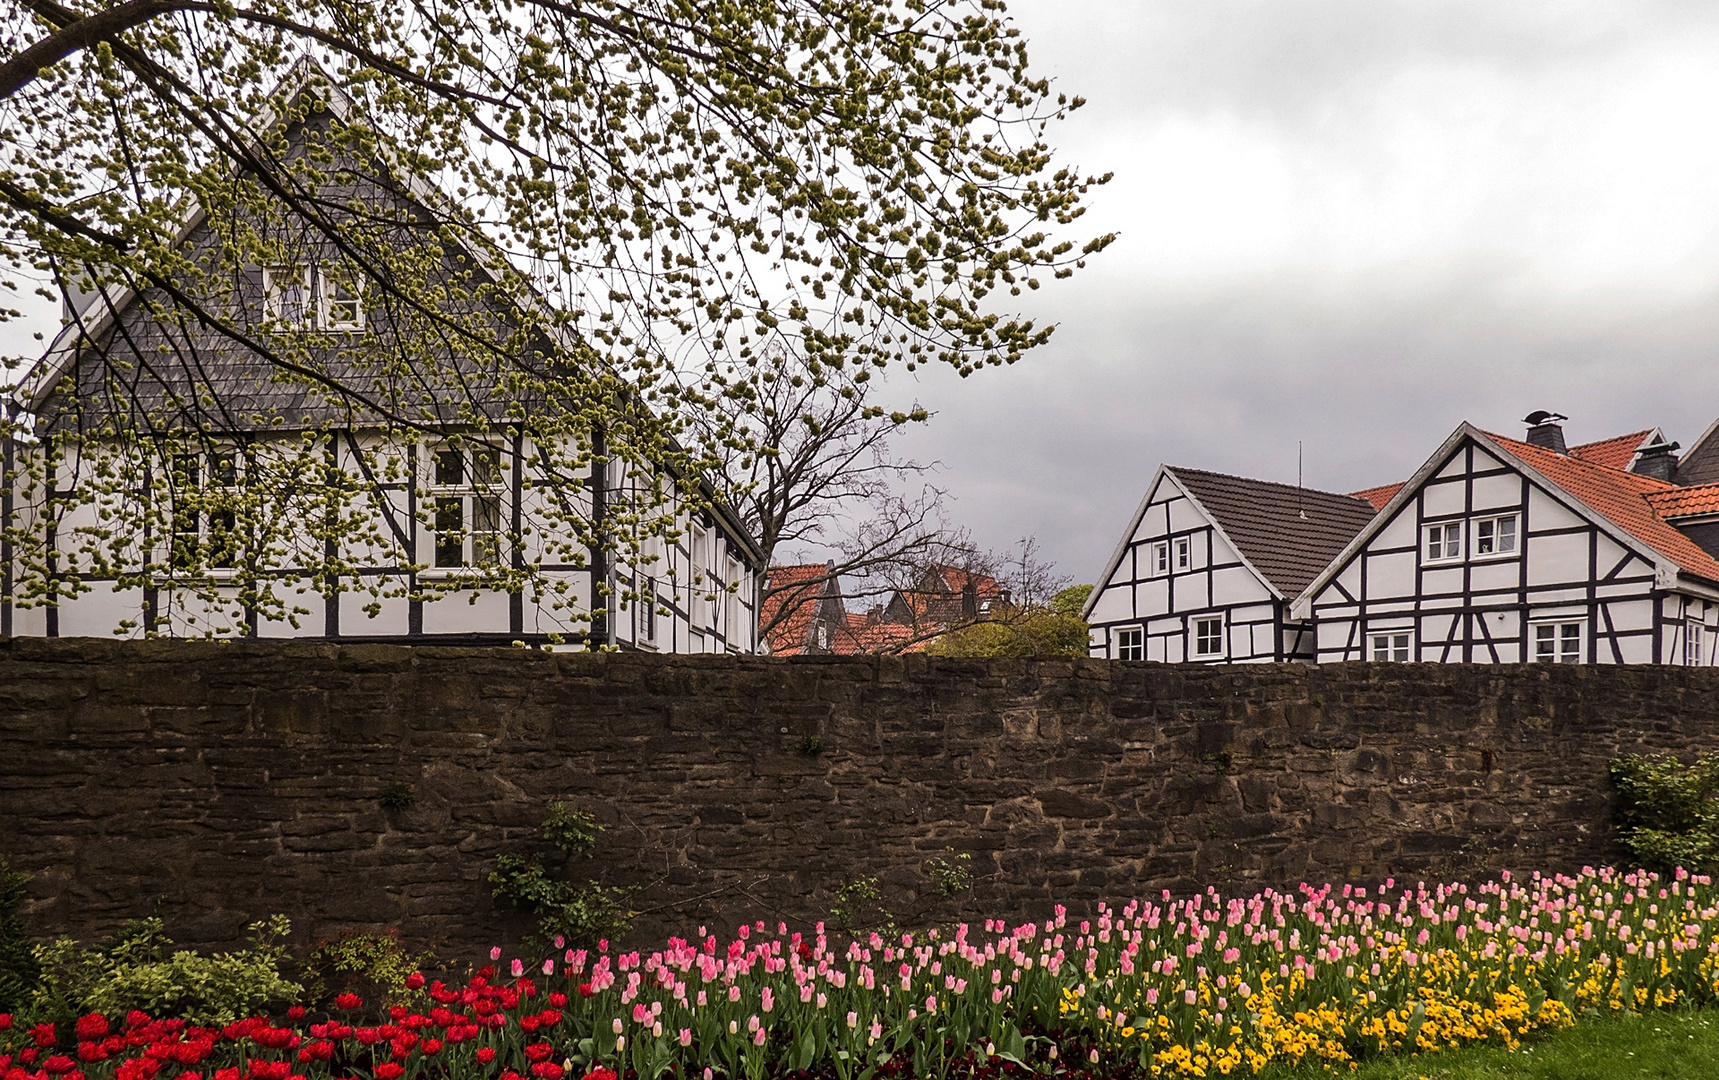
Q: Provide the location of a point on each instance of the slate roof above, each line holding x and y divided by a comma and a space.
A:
1624, 498
1265, 522
1614, 453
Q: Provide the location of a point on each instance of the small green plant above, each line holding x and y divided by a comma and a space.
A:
859, 906
373, 966
18, 968
951, 875
136, 970
811, 746
580, 914
1667, 813
398, 795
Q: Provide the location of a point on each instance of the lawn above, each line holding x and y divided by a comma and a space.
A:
1660, 1044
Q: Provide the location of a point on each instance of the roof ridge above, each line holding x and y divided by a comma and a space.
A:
1660, 485
1255, 480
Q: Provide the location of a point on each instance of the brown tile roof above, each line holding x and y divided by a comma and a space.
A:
1621, 497
796, 590
1288, 533
1380, 495
1615, 453
1686, 501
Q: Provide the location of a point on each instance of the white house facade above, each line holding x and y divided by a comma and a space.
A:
1209, 565
452, 507
1507, 551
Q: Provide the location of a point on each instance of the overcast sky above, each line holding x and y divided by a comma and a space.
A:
1354, 224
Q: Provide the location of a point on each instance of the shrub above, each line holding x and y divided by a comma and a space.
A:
18, 967
135, 970
376, 967
1667, 813
581, 913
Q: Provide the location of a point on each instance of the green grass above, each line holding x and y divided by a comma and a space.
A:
1667, 1044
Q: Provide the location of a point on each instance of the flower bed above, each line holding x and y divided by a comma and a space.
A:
1191, 987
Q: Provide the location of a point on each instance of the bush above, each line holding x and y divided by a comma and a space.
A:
18, 968
1667, 813
580, 914
135, 970
373, 966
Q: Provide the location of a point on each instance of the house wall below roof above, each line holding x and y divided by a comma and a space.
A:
1481, 608
684, 574
1216, 584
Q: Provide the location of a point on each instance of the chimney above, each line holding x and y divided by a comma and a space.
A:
1655, 460
1545, 431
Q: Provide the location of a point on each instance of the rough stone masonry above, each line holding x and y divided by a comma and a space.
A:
217, 783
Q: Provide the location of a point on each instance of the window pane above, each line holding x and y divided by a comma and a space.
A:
1401, 648
1381, 648
450, 468
1570, 643
486, 465
1483, 537
450, 526
1507, 534
223, 539
486, 525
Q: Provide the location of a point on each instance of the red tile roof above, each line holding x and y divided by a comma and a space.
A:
1621, 497
1615, 453
865, 634
1686, 501
939, 598
1378, 496
795, 589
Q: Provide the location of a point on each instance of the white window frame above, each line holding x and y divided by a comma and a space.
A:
1694, 642
1443, 530
1161, 559
1491, 530
1195, 623
700, 608
472, 501
326, 305
1392, 646
197, 525
1550, 641
274, 296
1131, 639
731, 617
647, 609
317, 308
1184, 553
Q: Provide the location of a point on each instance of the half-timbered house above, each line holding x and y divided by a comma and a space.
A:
454, 500
1500, 550
1209, 564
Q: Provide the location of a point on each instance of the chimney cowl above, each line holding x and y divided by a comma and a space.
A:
1546, 430
1655, 461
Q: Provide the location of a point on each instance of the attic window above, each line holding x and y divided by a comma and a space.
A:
286, 296
297, 298
340, 307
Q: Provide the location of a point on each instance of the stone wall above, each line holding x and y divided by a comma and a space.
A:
217, 783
